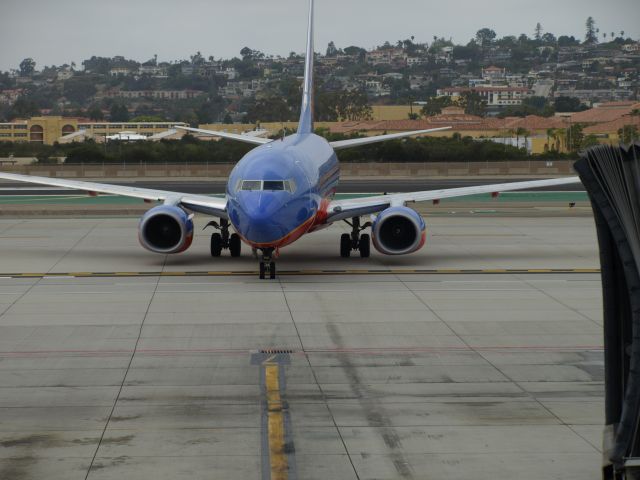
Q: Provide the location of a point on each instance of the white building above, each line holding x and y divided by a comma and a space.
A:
496, 96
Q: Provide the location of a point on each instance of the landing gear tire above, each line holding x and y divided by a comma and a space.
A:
216, 245
267, 267
345, 245
267, 264
272, 270
364, 245
235, 245
262, 270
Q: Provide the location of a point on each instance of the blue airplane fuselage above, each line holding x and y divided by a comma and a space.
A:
267, 218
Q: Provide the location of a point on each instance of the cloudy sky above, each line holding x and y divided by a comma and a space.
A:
61, 31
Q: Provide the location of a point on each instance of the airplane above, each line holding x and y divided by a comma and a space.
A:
284, 189
127, 137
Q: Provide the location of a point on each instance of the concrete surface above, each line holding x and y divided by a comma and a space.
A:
468, 376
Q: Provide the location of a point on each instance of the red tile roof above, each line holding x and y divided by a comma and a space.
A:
604, 113
613, 126
535, 122
457, 122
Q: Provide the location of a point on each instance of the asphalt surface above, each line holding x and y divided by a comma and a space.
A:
478, 372
345, 186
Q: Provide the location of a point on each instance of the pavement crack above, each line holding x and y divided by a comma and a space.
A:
124, 379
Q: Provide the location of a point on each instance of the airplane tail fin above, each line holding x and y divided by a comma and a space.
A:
306, 115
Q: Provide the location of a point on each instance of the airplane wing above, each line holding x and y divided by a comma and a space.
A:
231, 136
341, 209
356, 142
214, 206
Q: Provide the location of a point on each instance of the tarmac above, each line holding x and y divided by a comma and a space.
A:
479, 357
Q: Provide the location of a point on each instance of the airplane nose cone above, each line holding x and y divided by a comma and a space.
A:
257, 215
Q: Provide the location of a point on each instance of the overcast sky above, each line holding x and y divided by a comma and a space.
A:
61, 31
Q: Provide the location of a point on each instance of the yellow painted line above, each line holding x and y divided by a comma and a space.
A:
539, 270
275, 425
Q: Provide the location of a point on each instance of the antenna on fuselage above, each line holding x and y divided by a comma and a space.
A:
306, 115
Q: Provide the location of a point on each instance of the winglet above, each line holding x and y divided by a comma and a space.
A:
306, 115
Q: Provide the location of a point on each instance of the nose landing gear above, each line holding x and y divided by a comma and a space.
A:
355, 241
224, 240
267, 265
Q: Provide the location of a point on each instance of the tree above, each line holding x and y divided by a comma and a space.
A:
23, 108
485, 36
568, 104
549, 38
468, 52
589, 141
521, 132
79, 89
270, 109
27, 67
473, 103
95, 113
197, 59
434, 106
538, 32
354, 105
227, 119
100, 65
565, 41
591, 35
551, 133
332, 51
353, 50
119, 113
628, 134
575, 137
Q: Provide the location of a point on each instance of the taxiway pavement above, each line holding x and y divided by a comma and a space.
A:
312, 376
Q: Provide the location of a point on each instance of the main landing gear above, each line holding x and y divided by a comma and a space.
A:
267, 265
222, 241
355, 241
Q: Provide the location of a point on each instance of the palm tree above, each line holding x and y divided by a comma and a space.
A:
561, 135
550, 134
521, 132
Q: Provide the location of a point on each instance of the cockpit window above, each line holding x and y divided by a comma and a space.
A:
268, 185
252, 185
273, 185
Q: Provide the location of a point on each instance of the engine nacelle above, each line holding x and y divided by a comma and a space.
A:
166, 229
398, 231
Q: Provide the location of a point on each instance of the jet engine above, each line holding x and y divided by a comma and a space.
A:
398, 231
166, 229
